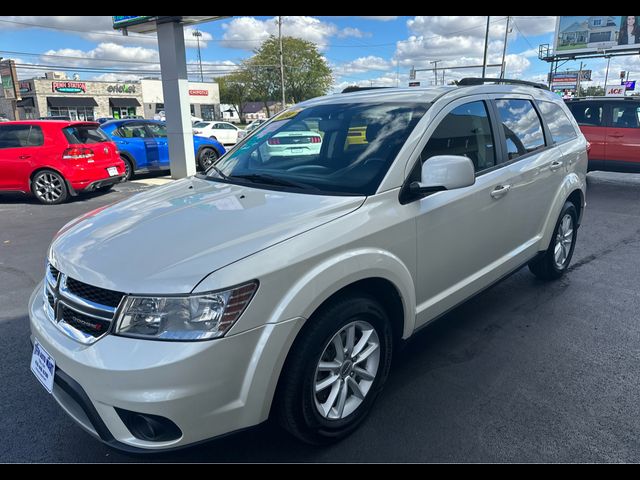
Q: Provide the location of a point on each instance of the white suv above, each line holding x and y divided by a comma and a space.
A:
282, 285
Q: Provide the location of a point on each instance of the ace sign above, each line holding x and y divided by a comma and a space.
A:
615, 91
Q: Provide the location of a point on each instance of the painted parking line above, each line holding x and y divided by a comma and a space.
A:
153, 181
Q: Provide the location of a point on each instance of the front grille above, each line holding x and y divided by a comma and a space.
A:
90, 325
101, 296
54, 271
50, 299
83, 312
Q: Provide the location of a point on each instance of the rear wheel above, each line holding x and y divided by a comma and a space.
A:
555, 261
128, 168
207, 157
49, 187
335, 370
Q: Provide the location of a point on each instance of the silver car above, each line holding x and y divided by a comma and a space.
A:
283, 285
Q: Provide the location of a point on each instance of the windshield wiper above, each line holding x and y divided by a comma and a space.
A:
271, 180
219, 172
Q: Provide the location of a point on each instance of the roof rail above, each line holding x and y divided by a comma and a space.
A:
355, 88
465, 82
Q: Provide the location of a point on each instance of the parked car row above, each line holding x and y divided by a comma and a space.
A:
53, 159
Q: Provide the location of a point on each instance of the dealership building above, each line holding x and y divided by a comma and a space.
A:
55, 96
204, 99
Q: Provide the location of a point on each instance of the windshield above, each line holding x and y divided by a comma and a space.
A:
201, 125
343, 149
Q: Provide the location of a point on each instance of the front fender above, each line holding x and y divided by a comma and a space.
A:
339, 271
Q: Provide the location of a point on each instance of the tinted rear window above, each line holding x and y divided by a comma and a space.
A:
559, 124
588, 114
84, 134
16, 136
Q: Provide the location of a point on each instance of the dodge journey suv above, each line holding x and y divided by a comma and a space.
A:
284, 284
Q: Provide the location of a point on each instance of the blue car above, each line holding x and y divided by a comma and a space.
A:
143, 145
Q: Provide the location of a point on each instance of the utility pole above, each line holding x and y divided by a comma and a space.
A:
486, 47
606, 76
435, 70
198, 34
578, 81
281, 61
504, 49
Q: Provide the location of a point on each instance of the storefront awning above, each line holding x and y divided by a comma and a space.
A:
26, 102
124, 102
71, 102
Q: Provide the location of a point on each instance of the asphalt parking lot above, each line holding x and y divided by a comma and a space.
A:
524, 372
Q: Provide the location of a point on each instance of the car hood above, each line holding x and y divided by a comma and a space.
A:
168, 239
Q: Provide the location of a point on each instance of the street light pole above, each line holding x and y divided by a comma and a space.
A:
281, 62
198, 34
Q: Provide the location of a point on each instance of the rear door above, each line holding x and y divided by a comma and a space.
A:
159, 133
623, 136
18, 151
590, 116
135, 139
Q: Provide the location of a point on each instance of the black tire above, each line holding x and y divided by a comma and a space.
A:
128, 169
49, 187
546, 266
206, 157
296, 404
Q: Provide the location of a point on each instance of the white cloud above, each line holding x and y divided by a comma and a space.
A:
363, 64
248, 33
380, 19
353, 32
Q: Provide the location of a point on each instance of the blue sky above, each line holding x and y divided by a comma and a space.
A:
362, 50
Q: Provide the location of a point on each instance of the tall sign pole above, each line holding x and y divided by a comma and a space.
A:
486, 47
504, 49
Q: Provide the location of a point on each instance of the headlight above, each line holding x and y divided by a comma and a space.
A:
193, 317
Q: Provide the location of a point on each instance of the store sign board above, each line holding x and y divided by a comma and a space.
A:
199, 93
121, 89
69, 87
614, 91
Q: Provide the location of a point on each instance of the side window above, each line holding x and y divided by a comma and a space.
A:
14, 136
133, 131
625, 116
521, 125
588, 114
158, 129
466, 131
559, 124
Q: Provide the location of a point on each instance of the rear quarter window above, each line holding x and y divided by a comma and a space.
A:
587, 114
18, 136
558, 122
81, 134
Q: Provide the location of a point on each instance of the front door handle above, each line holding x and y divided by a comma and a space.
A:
555, 166
500, 191
617, 135
23, 157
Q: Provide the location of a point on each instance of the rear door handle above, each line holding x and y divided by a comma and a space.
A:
617, 135
555, 166
500, 191
22, 157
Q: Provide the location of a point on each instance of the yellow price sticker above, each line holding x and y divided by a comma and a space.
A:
287, 114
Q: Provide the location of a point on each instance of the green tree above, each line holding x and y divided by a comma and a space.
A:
307, 74
235, 89
591, 92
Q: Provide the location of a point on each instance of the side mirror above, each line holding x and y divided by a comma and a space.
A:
444, 172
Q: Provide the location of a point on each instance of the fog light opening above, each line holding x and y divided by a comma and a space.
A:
151, 428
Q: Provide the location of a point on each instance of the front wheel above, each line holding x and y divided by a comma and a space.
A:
335, 370
207, 157
49, 187
555, 261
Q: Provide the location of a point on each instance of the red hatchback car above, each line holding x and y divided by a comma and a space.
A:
55, 159
612, 127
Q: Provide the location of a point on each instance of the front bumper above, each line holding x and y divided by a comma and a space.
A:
207, 389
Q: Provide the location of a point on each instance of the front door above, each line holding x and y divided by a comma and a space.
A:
623, 135
159, 132
463, 235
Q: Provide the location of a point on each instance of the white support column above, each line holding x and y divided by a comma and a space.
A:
175, 87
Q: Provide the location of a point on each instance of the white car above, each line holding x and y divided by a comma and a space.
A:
283, 287
293, 143
226, 133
